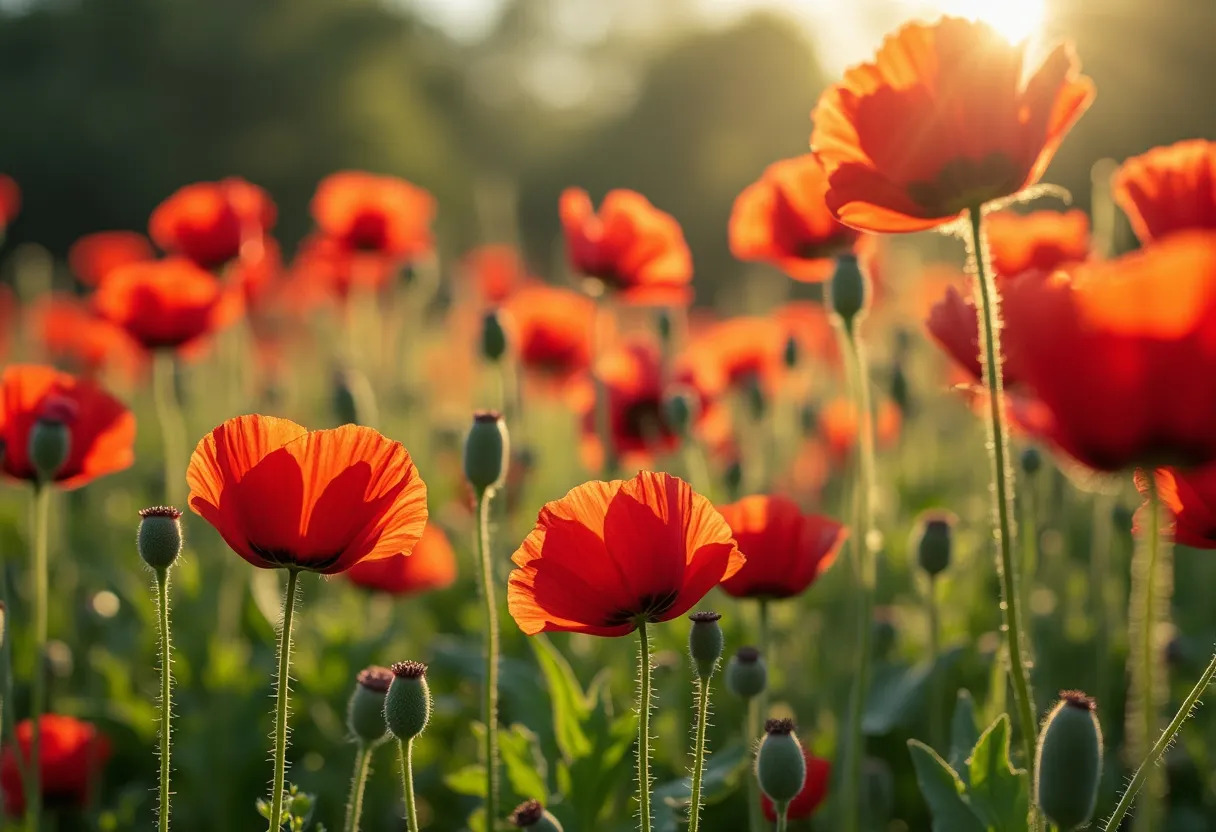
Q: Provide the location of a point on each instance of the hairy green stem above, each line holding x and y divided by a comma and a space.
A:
935, 685
644, 699
698, 761
489, 703
783, 812
1099, 580
42, 531
405, 756
358, 781
765, 637
172, 425
166, 693
751, 731
282, 683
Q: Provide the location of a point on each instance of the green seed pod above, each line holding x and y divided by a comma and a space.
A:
705, 642
680, 410
1032, 461
407, 705
50, 441
848, 289
932, 542
1069, 761
780, 764
487, 450
531, 814
493, 337
790, 354
160, 536
885, 633
746, 673
365, 712
662, 322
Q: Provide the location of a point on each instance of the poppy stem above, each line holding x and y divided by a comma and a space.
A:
698, 762
751, 730
354, 805
172, 424
490, 687
987, 301
166, 692
282, 683
1099, 579
766, 645
935, 680
7, 709
405, 756
33, 784
644, 701
783, 812
1163, 742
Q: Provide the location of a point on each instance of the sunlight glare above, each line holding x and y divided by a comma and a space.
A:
1016, 20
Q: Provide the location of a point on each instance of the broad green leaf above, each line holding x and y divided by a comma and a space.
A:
898, 692
470, 780
606, 771
571, 707
963, 734
1000, 795
722, 771
523, 763
943, 791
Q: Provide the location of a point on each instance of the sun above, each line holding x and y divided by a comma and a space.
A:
1016, 20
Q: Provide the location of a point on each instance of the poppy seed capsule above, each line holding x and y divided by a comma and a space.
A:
407, 705
680, 410
50, 441
532, 815
493, 337
848, 289
486, 451
705, 642
934, 542
1032, 461
1069, 762
790, 355
746, 673
733, 477
365, 711
160, 536
780, 763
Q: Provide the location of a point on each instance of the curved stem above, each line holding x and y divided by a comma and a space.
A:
987, 302
282, 683
172, 425
935, 685
698, 762
42, 530
751, 731
644, 697
354, 804
489, 709
166, 692
405, 756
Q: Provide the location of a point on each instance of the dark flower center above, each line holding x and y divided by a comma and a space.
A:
650, 608
966, 183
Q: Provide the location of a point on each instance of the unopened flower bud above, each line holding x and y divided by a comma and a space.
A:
933, 542
780, 764
493, 337
354, 400
407, 705
900, 393
160, 536
705, 642
733, 477
1069, 762
848, 289
790, 354
680, 410
746, 673
487, 450
1032, 461
365, 711
531, 814
50, 441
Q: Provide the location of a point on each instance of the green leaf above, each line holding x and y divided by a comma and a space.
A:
523, 763
1000, 794
943, 791
722, 771
470, 780
963, 734
898, 692
571, 707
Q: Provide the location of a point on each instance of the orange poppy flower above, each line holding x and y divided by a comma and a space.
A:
1169, 189
814, 790
72, 755
496, 271
838, 427
630, 246
432, 565
72, 332
95, 255
551, 330
1190, 497
786, 550
944, 120
321, 501
380, 215
209, 222
10, 200
164, 303
101, 429
1120, 356
1039, 241
632, 374
609, 555
783, 219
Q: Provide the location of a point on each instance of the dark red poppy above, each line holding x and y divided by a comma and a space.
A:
94, 256
632, 375
814, 790
72, 756
73, 333
944, 120
210, 222
609, 555
10, 200
1039, 241
495, 271
783, 219
166, 303
786, 550
380, 215
1169, 189
1190, 497
629, 246
321, 501
432, 565
551, 330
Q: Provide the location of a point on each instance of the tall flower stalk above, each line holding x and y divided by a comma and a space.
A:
33, 779
407, 710
282, 684
645, 698
705, 642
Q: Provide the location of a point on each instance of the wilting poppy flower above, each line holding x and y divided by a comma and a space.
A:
209, 222
495, 272
630, 246
72, 332
432, 565
72, 755
101, 429
838, 426
10, 200
786, 550
814, 790
321, 501
783, 219
1169, 189
380, 215
1039, 241
94, 256
164, 303
1120, 356
609, 555
944, 120
632, 375
552, 330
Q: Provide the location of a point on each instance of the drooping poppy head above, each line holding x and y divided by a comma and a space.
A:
814, 790
495, 271
72, 756
610, 555
72, 332
1039, 241
1190, 497
552, 330
321, 501
94, 256
1120, 356
432, 565
942, 121
1169, 188
783, 219
380, 215
209, 222
164, 303
101, 430
786, 550
838, 426
632, 375
629, 246
10, 200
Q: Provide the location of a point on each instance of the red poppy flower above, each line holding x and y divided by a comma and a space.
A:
735, 354
954, 324
814, 790
380, 215
209, 222
495, 271
432, 565
783, 219
1039, 241
10, 200
632, 375
72, 332
94, 256
1190, 497
786, 550
101, 429
552, 330
324, 268
944, 120
1169, 189
838, 426
1121, 355
611, 554
322, 501
630, 246
164, 303
72, 755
